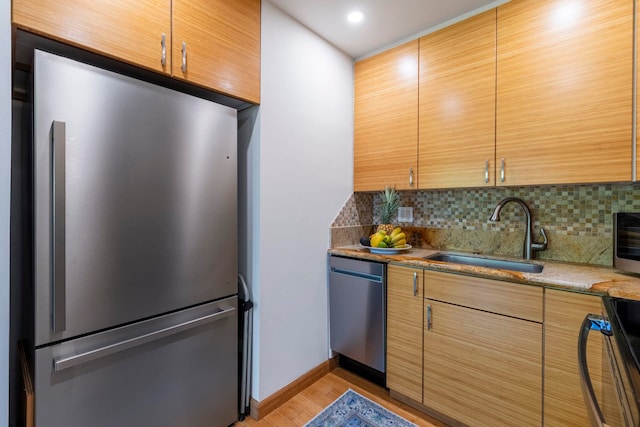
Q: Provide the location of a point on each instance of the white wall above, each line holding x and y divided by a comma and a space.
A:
303, 176
5, 181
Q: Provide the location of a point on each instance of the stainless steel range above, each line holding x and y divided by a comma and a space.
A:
619, 325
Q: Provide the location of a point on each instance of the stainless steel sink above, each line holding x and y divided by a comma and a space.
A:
525, 267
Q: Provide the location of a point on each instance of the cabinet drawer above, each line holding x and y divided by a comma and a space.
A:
510, 299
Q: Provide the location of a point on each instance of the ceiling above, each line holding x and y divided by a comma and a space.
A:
386, 23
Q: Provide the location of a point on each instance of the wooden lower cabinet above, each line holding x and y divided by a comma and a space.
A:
482, 364
564, 313
472, 350
404, 331
482, 369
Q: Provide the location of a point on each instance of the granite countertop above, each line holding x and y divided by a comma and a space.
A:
579, 277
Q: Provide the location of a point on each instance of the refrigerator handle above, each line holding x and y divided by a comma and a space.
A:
61, 363
58, 143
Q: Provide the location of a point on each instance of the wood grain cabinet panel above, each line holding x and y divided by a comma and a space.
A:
564, 85
222, 45
404, 331
386, 120
457, 104
564, 313
130, 31
482, 369
510, 299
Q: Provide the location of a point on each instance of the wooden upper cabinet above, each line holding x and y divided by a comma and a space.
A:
222, 40
386, 120
564, 86
130, 31
637, 159
404, 331
457, 104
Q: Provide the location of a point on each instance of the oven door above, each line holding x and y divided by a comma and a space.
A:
618, 403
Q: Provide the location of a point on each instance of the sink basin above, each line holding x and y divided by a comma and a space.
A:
525, 267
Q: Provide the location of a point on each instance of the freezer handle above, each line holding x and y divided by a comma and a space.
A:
58, 306
61, 363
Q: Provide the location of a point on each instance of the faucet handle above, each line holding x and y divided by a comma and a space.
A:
540, 246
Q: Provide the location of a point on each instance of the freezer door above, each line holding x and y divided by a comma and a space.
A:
175, 370
135, 199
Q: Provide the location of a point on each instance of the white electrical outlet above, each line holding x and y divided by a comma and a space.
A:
405, 214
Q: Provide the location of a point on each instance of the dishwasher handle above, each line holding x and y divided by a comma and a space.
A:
366, 276
590, 322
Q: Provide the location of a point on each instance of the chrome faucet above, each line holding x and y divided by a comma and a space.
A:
529, 246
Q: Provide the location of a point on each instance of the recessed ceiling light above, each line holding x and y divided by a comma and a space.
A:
355, 16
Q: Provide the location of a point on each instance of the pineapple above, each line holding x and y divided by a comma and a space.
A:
389, 209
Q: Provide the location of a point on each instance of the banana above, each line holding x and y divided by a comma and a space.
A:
397, 237
396, 231
399, 243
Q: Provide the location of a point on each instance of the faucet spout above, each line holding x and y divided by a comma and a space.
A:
529, 247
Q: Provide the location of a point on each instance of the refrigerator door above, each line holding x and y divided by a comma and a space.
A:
175, 370
135, 199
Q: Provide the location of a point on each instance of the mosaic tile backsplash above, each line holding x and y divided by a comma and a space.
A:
577, 219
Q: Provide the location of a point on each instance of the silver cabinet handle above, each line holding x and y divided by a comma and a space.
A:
410, 177
486, 172
184, 57
58, 143
163, 59
502, 170
415, 284
62, 363
590, 322
429, 317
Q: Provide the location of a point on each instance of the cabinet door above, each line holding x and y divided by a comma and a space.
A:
482, 369
222, 40
457, 104
130, 31
563, 401
386, 120
404, 331
564, 85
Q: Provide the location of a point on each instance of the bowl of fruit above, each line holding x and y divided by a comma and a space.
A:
382, 242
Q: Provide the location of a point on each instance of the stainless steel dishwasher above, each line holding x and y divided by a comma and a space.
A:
357, 312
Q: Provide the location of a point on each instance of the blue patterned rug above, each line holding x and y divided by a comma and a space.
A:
354, 410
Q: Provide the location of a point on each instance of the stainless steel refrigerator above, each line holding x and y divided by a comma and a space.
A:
135, 252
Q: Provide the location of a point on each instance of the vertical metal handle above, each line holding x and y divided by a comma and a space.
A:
415, 284
428, 317
590, 322
58, 297
410, 177
163, 59
502, 170
486, 172
184, 57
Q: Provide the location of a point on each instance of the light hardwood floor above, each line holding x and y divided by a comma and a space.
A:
310, 401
